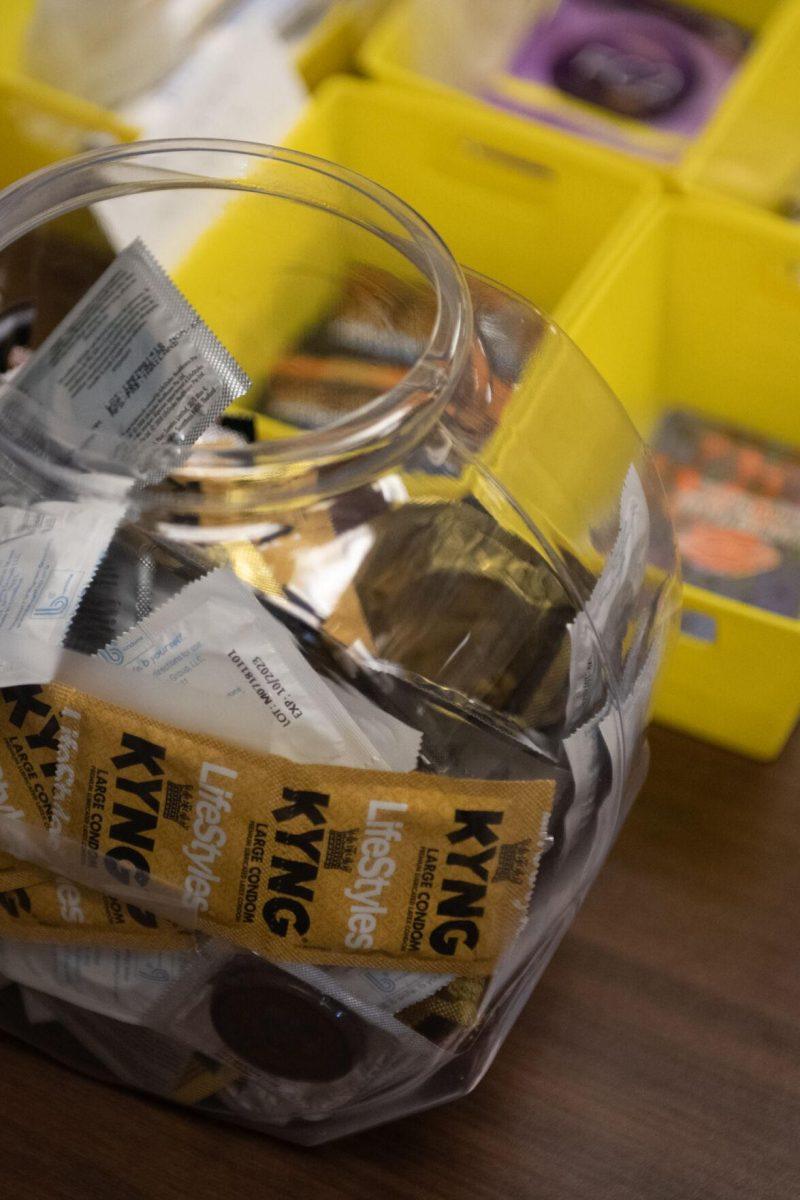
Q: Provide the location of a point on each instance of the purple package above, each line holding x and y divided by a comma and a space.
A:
659, 63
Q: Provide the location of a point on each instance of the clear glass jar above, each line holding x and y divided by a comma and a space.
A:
424, 545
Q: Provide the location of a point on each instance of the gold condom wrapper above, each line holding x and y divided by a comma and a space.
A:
35, 904
15, 874
306, 863
29, 739
29, 733
457, 1003
498, 610
274, 566
57, 911
202, 1079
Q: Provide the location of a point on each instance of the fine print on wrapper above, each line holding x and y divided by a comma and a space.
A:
124, 386
309, 750
128, 381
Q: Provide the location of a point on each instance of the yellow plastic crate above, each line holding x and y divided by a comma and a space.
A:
532, 212
88, 122
700, 308
329, 48
523, 206
387, 51
751, 149
35, 133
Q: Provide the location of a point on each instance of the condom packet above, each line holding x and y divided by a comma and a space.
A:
48, 554
113, 981
734, 497
497, 606
307, 567
641, 75
287, 859
312, 1048
56, 911
216, 639
118, 391
128, 380
609, 611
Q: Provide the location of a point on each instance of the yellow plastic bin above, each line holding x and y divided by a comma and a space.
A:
35, 132
700, 308
522, 205
329, 48
387, 53
333, 44
68, 123
531, 212
751, 150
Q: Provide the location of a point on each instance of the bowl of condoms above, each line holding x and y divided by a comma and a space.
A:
334, 587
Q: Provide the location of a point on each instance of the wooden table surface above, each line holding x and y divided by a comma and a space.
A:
659, 1058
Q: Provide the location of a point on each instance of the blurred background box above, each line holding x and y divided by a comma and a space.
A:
35, 112
392, 52
520, 204
751, 150
700, 309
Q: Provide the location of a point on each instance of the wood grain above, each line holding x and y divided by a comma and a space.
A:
658, 1059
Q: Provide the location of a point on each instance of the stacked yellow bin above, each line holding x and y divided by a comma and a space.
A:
34, 112
330, 47
388, 53
751, 150
524, 206
699, 306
